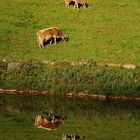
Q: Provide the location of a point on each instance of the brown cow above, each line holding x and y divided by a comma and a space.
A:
41, 122
50, 34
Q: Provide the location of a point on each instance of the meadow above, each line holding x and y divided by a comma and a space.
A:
107, 31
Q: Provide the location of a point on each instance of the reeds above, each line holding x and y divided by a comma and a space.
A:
65, 78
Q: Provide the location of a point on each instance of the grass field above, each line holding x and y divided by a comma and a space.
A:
107, 31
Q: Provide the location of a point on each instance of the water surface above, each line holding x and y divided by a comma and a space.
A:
102, 120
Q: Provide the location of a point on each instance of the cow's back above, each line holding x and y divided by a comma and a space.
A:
50, 31
80, 1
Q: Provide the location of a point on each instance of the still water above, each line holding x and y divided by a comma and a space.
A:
66, 105
103, 116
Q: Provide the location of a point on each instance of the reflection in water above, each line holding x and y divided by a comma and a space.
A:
64, 105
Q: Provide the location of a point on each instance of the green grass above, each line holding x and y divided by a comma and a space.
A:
107, 31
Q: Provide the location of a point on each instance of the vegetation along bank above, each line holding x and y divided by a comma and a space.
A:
62, 77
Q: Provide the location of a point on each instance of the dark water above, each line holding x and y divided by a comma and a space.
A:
65, 105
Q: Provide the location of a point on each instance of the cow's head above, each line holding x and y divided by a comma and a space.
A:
65, 38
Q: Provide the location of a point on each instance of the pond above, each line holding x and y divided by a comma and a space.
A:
99, 120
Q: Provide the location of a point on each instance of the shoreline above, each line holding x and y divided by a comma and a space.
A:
100, 97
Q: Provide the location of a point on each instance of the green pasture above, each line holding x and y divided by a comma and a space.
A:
107, 31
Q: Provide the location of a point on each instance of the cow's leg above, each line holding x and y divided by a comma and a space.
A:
84, 5
55, 39
67, 4
76, 5
40, 42
39, 45
51, 40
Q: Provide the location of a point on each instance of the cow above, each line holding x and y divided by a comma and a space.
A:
72, 137
76, 3
41, 122
80, 2
49, 35
78, 137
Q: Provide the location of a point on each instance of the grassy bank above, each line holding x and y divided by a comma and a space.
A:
63, 78
107, 31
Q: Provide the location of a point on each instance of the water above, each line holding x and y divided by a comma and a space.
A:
97, 120
65, 105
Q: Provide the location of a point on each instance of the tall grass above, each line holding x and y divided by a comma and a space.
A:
64, 78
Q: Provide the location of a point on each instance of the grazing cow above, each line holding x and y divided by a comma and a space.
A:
50, 34
80, 2
76, 3
41, 122
78, 137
